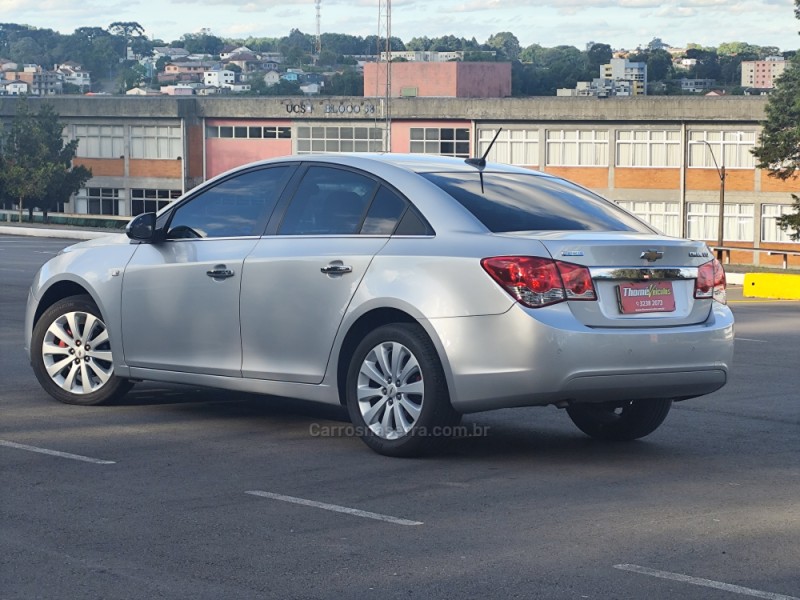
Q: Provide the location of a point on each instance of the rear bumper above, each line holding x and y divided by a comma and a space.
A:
534, 357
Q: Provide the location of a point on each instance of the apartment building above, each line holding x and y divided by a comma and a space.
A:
621, 69
761, 74
620, 77
40, 81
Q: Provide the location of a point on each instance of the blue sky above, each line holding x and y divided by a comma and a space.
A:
621, 23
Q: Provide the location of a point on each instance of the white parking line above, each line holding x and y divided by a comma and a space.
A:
88, 459
717, 585
335, 508
741, 339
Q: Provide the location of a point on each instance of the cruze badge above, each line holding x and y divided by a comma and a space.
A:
651, 255
698, 254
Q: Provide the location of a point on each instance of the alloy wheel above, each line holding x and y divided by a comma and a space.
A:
390, 390
76, 353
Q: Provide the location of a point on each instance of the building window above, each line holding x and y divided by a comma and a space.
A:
98, 201
770, 232
577, 148
100, 141
339, 139
442, 141
664, 216
513, 146
730, 148
649, 148
149, 200
277, 133
703, 220
156, 141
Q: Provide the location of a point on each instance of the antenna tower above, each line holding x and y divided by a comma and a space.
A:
385, 57
318, 41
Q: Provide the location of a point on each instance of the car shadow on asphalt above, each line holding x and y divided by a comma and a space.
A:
510, 434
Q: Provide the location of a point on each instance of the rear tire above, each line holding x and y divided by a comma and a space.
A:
620, 421
71, 355
396, 392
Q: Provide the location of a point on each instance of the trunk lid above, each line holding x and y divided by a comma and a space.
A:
641, 280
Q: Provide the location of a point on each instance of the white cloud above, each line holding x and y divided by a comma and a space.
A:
621, 23
681, 12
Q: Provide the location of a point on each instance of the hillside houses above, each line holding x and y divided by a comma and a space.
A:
40, 82
35, 80
235, 71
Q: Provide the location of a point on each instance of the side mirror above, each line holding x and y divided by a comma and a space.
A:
142, 228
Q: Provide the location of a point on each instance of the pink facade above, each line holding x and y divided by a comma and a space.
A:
762, 73
443, 80
401, 131
224, 153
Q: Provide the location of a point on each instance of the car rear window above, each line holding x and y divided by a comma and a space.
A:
519, 202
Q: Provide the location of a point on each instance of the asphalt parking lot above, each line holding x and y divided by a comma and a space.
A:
186, 493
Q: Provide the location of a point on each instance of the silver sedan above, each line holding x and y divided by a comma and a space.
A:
412, 289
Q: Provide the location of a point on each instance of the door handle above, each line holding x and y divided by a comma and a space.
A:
220, 272
336, 269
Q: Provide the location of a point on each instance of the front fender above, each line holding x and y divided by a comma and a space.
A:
96, 271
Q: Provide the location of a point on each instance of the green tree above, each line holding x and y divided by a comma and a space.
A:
26, 50
130, 77
659, 65
419, 44
707, 66
37, 162
258, 86
597, 55
284, 88
348, 83
506, 43
778, 149
326, 58
127, 30
203, 42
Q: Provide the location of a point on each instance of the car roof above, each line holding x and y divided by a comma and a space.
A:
415, 163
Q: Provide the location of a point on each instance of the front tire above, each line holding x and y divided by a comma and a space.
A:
620, 421
71, 355
396, 392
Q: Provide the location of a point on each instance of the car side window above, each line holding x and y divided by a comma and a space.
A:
235, 207
384, 213
328, 201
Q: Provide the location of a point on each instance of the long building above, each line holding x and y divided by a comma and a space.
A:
656, 156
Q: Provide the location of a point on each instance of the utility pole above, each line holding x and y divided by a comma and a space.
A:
721, 172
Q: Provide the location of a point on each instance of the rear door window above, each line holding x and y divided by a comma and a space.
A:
328, 201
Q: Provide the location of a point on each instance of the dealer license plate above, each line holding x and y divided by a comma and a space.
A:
646, 297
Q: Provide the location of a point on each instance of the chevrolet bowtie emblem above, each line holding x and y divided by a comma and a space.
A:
651, 255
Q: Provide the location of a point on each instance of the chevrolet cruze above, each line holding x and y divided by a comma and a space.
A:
411, 289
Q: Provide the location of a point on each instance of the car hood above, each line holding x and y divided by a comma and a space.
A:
113, 239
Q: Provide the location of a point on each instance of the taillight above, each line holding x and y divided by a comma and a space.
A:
536, 281
711, 282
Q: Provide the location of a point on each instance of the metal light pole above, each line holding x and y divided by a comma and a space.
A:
721, 173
